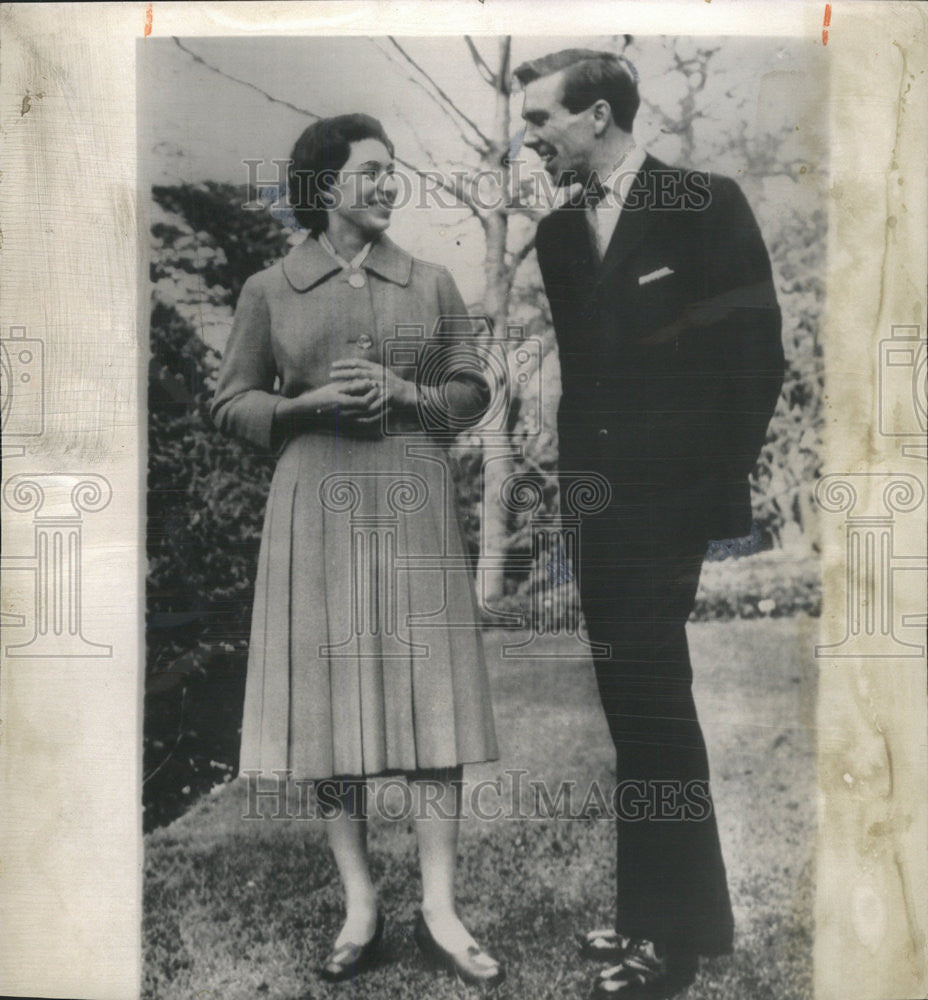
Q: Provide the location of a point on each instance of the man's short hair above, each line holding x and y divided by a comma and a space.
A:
591, 76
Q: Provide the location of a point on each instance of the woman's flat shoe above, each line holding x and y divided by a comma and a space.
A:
349, 959
473, 965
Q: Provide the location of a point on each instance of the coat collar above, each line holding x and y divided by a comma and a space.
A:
308, 264
389, 261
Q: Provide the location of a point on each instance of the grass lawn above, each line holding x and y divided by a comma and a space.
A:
239, 910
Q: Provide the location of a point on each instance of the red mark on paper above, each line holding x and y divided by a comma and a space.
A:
826, 23
148, 17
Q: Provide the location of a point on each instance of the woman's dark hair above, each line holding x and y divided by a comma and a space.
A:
320, 152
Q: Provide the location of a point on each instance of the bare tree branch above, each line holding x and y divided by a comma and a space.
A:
519, 255
452, 185
433, 164
503, 82
441, 93
456, 190
244, 83
482, 68
441, 105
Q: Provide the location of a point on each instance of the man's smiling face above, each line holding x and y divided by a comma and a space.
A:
563, 140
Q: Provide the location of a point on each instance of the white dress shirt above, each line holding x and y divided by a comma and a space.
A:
605, 216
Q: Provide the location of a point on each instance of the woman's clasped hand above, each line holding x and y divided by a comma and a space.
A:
372, 388
360, 391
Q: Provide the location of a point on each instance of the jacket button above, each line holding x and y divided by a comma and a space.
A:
603, 432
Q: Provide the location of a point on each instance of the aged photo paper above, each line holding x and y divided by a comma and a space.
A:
146, 203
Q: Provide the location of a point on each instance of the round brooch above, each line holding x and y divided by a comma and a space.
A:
356, 279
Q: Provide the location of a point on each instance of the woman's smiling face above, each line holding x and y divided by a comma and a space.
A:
365, 190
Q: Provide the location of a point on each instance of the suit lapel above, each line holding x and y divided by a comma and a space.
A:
578, 253
634, 222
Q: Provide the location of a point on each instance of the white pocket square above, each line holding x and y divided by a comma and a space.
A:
661, 272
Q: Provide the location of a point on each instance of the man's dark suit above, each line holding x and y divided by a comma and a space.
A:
668, 386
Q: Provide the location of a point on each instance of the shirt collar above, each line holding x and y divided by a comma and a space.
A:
309, 263
355, 261
623, 174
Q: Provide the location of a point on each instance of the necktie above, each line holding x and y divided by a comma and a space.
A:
592, 194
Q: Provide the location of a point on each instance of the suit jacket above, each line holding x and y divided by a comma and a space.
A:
671, 360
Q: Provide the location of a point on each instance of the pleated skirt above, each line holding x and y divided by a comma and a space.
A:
365, 656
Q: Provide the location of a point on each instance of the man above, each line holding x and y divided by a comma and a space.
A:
669, 338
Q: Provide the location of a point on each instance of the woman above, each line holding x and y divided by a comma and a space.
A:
357, 666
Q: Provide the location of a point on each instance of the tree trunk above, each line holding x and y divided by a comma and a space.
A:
490, 571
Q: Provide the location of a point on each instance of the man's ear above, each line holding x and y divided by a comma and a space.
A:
602, 116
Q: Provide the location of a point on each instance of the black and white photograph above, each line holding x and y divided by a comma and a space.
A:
464, 489
480, 367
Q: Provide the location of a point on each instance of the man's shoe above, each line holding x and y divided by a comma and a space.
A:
646, 974
349, 959
604, 946
472, 966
